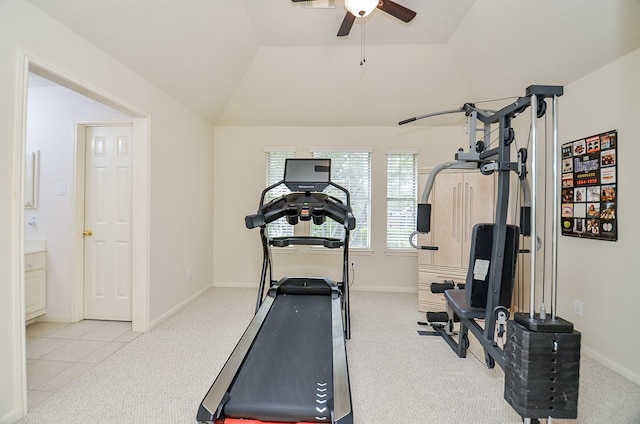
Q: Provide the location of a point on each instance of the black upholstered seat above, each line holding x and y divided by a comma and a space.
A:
457, 301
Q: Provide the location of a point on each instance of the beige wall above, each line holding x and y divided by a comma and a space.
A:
180, 175
602, 274
240, 178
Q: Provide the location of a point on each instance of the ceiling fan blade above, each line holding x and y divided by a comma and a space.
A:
396, 10
347, 23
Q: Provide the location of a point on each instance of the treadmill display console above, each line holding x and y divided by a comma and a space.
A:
307, 174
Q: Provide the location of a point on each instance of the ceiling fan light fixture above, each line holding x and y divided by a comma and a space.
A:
360, 8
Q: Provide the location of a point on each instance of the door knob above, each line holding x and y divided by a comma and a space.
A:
87, 233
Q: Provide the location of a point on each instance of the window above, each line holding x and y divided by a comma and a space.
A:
351, 170
402, 194
275, 173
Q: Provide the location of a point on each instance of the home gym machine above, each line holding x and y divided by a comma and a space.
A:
541, 357
290, 366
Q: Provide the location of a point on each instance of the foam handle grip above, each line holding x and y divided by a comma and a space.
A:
253, 221
437, 317
406, 121
424, 218
525, 220
440, 287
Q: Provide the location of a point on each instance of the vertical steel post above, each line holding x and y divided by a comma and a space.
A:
499, 231
534, 205
556, 211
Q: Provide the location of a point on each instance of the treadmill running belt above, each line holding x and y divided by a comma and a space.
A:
287, 374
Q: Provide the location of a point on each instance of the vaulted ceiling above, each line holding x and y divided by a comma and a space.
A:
275, 62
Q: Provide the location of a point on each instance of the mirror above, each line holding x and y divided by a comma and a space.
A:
31, 180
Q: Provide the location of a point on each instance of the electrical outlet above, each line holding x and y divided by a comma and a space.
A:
189, 274
577, 307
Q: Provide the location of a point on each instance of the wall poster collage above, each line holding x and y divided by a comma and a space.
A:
589, 187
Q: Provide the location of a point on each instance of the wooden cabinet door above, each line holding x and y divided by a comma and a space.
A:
35, 293
446, 218
459, 200
479, 207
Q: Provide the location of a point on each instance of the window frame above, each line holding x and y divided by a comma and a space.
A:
395, 199
362, 232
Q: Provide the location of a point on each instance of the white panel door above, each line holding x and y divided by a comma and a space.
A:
107, 247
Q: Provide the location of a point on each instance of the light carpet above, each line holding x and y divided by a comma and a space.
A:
396, 375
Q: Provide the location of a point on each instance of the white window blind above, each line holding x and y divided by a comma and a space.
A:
275, 172
351, 170
402, 194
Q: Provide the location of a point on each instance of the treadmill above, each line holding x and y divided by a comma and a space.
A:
290, 366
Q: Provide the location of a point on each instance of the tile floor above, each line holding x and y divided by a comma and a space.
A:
58, 353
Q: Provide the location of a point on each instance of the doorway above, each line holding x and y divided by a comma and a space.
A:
138, 122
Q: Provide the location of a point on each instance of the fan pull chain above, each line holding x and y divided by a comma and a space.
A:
363, 34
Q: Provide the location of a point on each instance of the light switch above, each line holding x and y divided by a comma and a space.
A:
62, 189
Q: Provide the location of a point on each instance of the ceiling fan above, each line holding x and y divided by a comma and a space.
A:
362, 8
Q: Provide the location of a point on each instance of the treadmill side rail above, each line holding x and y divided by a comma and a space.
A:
216, 394
343, 413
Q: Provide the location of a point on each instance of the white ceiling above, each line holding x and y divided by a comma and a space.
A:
274, 62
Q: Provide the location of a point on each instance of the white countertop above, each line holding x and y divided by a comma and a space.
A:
33, 246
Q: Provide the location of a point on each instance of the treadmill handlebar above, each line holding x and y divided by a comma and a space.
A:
302, 206
328, 242
350, 221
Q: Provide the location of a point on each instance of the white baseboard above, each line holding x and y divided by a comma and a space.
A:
227, 284
614, 366
179, 306
10, 417
53, 318
384, 289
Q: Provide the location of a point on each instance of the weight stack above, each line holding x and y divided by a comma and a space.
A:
542, 369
